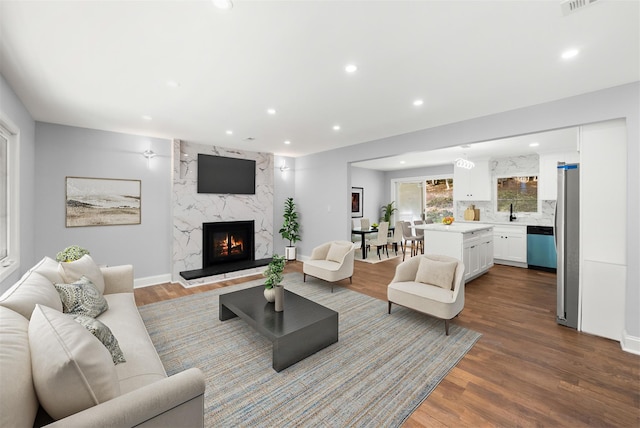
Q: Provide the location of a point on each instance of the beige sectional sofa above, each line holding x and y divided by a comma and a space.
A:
54, 371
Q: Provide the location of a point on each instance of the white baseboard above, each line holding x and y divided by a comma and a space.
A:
151, 280
630, 343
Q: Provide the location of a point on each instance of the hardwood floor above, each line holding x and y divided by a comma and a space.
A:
525, 370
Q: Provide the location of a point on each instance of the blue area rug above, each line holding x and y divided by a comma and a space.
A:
378, 373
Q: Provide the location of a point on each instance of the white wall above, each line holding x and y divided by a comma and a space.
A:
322, 180
12, 109
63, 151
373, 195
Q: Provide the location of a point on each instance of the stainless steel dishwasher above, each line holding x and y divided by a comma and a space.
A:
541, 248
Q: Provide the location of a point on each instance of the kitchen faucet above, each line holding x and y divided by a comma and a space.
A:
512, 216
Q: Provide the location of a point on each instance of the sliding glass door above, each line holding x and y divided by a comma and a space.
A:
423, 198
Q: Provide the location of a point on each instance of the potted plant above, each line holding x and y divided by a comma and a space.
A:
387, 211
273, 291
71, 254
290, 228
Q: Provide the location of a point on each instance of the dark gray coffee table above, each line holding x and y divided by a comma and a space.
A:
302, 329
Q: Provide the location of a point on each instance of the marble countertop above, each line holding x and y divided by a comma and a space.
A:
457, 227
503, 223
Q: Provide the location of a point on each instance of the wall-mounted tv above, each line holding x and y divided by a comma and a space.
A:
219, 174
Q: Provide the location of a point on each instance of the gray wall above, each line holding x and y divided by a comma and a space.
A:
69, 151
373, 194
284, 187
12, 109
323, 179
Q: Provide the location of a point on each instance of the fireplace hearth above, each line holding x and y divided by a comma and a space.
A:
227, 246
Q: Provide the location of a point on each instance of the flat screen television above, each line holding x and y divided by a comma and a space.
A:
219, 174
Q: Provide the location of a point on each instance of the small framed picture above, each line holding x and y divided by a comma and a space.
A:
357, 195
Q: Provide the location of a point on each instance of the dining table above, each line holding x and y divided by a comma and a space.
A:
362, 233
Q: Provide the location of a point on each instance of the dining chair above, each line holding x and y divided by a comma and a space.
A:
396, 239
381, 241
419, 236
365, 224
408, 237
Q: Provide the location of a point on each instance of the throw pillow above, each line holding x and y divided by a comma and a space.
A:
436, 272
85, 266
337, 252
71, 369
82, 297
103, 334
32, 288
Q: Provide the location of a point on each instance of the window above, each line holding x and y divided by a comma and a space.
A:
439, 197
9, 216
4, 197
519, 192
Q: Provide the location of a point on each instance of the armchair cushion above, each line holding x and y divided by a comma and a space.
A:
434, 272
337, 251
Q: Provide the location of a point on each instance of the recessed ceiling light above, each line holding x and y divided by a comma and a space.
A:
271, 111
147, 117
351, 68
418, 103
534, 144
402, 162
223, 4
568, 54
336, 127
229, 132
172, 83
287, 142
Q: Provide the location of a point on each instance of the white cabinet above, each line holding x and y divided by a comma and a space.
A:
472, 184
510, 245
548, 174
477, 253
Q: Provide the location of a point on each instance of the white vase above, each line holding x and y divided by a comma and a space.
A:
279, 292
270, 294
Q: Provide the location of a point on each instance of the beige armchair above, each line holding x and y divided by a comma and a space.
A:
331, 261
431, 284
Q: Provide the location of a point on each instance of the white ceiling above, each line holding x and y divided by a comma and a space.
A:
105, 64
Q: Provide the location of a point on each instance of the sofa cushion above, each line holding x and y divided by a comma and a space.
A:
85, 266
436, 272
82, 297
72, 370
337, 252
30, 290
103, 334
143, 364
18, 401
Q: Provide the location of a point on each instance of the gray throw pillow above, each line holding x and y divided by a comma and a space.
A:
82, 297
103, 334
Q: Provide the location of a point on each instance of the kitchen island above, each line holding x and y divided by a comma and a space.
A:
471, 243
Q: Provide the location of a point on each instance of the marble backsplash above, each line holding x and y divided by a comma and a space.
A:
191, 209
488, 213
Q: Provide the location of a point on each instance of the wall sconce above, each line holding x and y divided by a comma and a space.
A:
149, 154
284, 167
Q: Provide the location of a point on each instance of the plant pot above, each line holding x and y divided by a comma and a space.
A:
290, 253
270, 294
279, 292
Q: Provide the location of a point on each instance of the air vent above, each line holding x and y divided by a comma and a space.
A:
571, 6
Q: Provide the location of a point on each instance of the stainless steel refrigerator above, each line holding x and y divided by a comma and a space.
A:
567, 237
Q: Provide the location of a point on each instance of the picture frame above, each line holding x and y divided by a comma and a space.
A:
102, 201
357, 201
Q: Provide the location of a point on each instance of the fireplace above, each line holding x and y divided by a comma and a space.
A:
227, 242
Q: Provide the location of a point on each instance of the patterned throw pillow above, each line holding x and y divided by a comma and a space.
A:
82, 297
104, 335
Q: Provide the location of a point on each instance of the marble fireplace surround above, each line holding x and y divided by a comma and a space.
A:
191, 209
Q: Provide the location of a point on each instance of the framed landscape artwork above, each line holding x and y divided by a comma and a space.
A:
357, 195
102, 201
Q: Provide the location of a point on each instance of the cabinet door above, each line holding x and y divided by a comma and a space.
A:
472, 184
516, 247
499, 251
